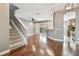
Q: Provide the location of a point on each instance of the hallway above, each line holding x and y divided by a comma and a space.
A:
45, 34
39, 29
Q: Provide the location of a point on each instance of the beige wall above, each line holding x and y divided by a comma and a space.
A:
4, 27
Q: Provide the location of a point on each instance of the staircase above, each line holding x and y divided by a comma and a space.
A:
16, 40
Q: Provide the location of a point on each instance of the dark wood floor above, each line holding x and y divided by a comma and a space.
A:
77, 50
35, 48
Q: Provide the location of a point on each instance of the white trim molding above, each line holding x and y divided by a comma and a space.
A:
21, 22
4, 52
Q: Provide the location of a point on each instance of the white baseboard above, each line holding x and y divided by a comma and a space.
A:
4, 52
18, 46
30, 34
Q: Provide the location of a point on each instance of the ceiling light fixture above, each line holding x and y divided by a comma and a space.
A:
68, 7
37, 13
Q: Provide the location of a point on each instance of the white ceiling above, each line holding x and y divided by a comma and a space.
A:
30, 10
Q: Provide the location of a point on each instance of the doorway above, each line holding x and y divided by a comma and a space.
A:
69, 33
43, 28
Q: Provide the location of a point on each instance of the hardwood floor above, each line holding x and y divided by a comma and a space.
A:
77, 50
36, 48
56, 46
